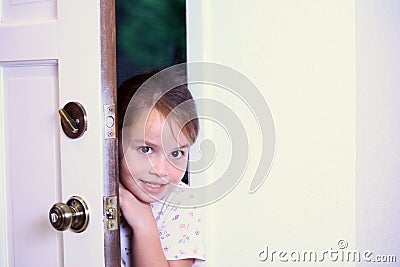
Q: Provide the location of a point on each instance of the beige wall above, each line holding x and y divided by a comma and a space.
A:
301, 55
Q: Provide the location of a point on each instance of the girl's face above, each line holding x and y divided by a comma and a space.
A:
154, 158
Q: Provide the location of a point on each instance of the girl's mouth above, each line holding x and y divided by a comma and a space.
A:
153, 185
153, 188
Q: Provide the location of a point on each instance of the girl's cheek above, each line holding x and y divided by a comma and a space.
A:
128, 165
124, 171
179, 165
177, 176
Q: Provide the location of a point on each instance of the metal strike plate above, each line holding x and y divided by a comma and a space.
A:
111, 212
73, 119
109, 122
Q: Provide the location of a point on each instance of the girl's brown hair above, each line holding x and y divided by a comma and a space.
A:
165, 91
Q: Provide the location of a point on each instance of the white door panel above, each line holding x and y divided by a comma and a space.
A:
31, 101
28, 10
33, 41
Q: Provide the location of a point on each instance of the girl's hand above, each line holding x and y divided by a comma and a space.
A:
146, 243
137, 213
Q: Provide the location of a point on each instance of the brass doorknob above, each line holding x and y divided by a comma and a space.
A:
73, 215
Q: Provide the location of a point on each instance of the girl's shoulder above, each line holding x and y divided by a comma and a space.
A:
180, 227
174, 208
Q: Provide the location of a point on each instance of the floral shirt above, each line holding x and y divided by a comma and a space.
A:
179, 230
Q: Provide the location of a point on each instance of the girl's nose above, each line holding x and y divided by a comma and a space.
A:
159, 166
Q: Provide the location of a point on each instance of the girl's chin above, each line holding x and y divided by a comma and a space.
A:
149, 197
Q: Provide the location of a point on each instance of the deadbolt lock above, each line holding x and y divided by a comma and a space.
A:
73, 215
73, 119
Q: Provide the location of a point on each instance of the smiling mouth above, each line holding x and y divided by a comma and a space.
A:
153, 185
154, 188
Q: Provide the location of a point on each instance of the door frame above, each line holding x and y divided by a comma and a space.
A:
112, 250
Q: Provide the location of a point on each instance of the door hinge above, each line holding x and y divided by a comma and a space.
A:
109, 122
111, 212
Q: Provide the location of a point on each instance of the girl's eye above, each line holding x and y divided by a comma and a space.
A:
177, 154
145, 149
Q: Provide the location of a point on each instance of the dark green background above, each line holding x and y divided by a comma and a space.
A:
151, 34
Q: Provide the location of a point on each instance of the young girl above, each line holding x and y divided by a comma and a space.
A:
158, 124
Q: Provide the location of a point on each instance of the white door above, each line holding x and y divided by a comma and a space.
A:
51, 53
